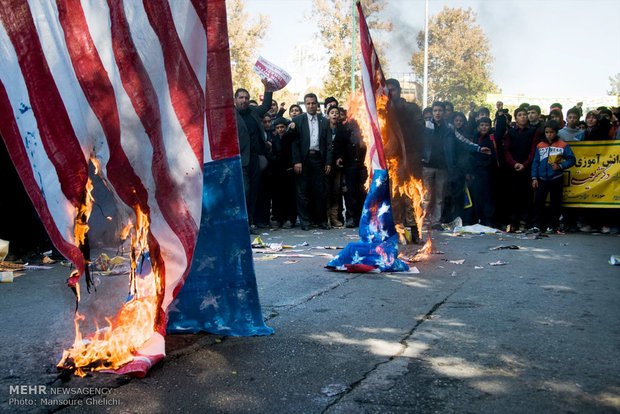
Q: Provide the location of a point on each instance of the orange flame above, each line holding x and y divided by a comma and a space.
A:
134, 324
402, 182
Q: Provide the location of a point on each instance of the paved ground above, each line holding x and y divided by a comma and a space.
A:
539, 334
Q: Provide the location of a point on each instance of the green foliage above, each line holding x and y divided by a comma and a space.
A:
459, 59
334, 22
245, 37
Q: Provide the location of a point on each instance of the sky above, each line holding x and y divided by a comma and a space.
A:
541, 47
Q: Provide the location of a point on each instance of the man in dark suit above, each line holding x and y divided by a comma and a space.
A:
251, 143
312, 158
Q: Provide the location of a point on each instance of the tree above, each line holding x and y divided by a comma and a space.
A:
459, 60
614, 83
333, 19
244, 36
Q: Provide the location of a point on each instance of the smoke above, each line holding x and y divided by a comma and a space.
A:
407, 22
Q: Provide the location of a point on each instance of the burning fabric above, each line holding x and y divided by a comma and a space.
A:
124, 86
389, 176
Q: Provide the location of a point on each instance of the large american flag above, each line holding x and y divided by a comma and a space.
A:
124, 82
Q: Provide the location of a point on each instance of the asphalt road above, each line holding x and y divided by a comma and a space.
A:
538, 334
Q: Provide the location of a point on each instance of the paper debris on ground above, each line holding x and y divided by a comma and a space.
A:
475, 229
291, 261
478, 267
9, 267
505, 247
6, 277
47, 260
614, 260
498, 263
305, 244
460, 261
328, 247
35, 267
258, 242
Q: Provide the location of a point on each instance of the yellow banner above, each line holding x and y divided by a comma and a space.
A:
594, 181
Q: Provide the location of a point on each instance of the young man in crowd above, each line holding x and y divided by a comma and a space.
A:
571, 129
408, 126
438, 156
312, 158
483, 175
251, 143
551, 158
519, 145
284, 211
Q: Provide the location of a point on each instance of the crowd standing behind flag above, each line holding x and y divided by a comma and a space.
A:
475, 167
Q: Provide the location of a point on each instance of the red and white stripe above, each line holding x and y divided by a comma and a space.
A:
373, 85
125, 82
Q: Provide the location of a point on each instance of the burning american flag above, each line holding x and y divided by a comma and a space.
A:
142, 90
378, 248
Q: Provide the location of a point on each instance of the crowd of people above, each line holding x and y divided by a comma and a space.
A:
307, 168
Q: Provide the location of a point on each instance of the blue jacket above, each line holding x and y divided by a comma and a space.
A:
547, 154
450, 139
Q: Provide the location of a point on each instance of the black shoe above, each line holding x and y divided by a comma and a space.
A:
437, 227
287, 225
351, 223
325, 226
305, 228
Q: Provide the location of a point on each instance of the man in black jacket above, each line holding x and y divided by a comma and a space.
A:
312, 158
251, 143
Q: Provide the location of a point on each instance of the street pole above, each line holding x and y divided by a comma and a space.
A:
353, 30
425, 98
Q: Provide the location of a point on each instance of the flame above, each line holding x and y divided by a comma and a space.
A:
402, 182
83, 214
115, 345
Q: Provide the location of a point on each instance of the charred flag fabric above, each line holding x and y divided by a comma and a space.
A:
378, 248
142, 90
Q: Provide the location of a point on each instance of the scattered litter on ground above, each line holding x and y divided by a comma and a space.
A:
475, 229
441, 267
276, 247
6, 277
412, 270
614, 260
305, 244
66, 263
10, 267
317, 232
35, 267
106, 266
291, 261
505, 247
563, 244
460, 261
266, 257
498, 263
478, 267
332, 390
501, 239
258, 242
47, 260
47, 253
351, 236
331, 256
328, 247
292, 255
453, 274
457, 222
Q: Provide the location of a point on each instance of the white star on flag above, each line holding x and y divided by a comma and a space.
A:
383, 209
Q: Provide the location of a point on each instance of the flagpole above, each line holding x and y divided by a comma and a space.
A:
425, 98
